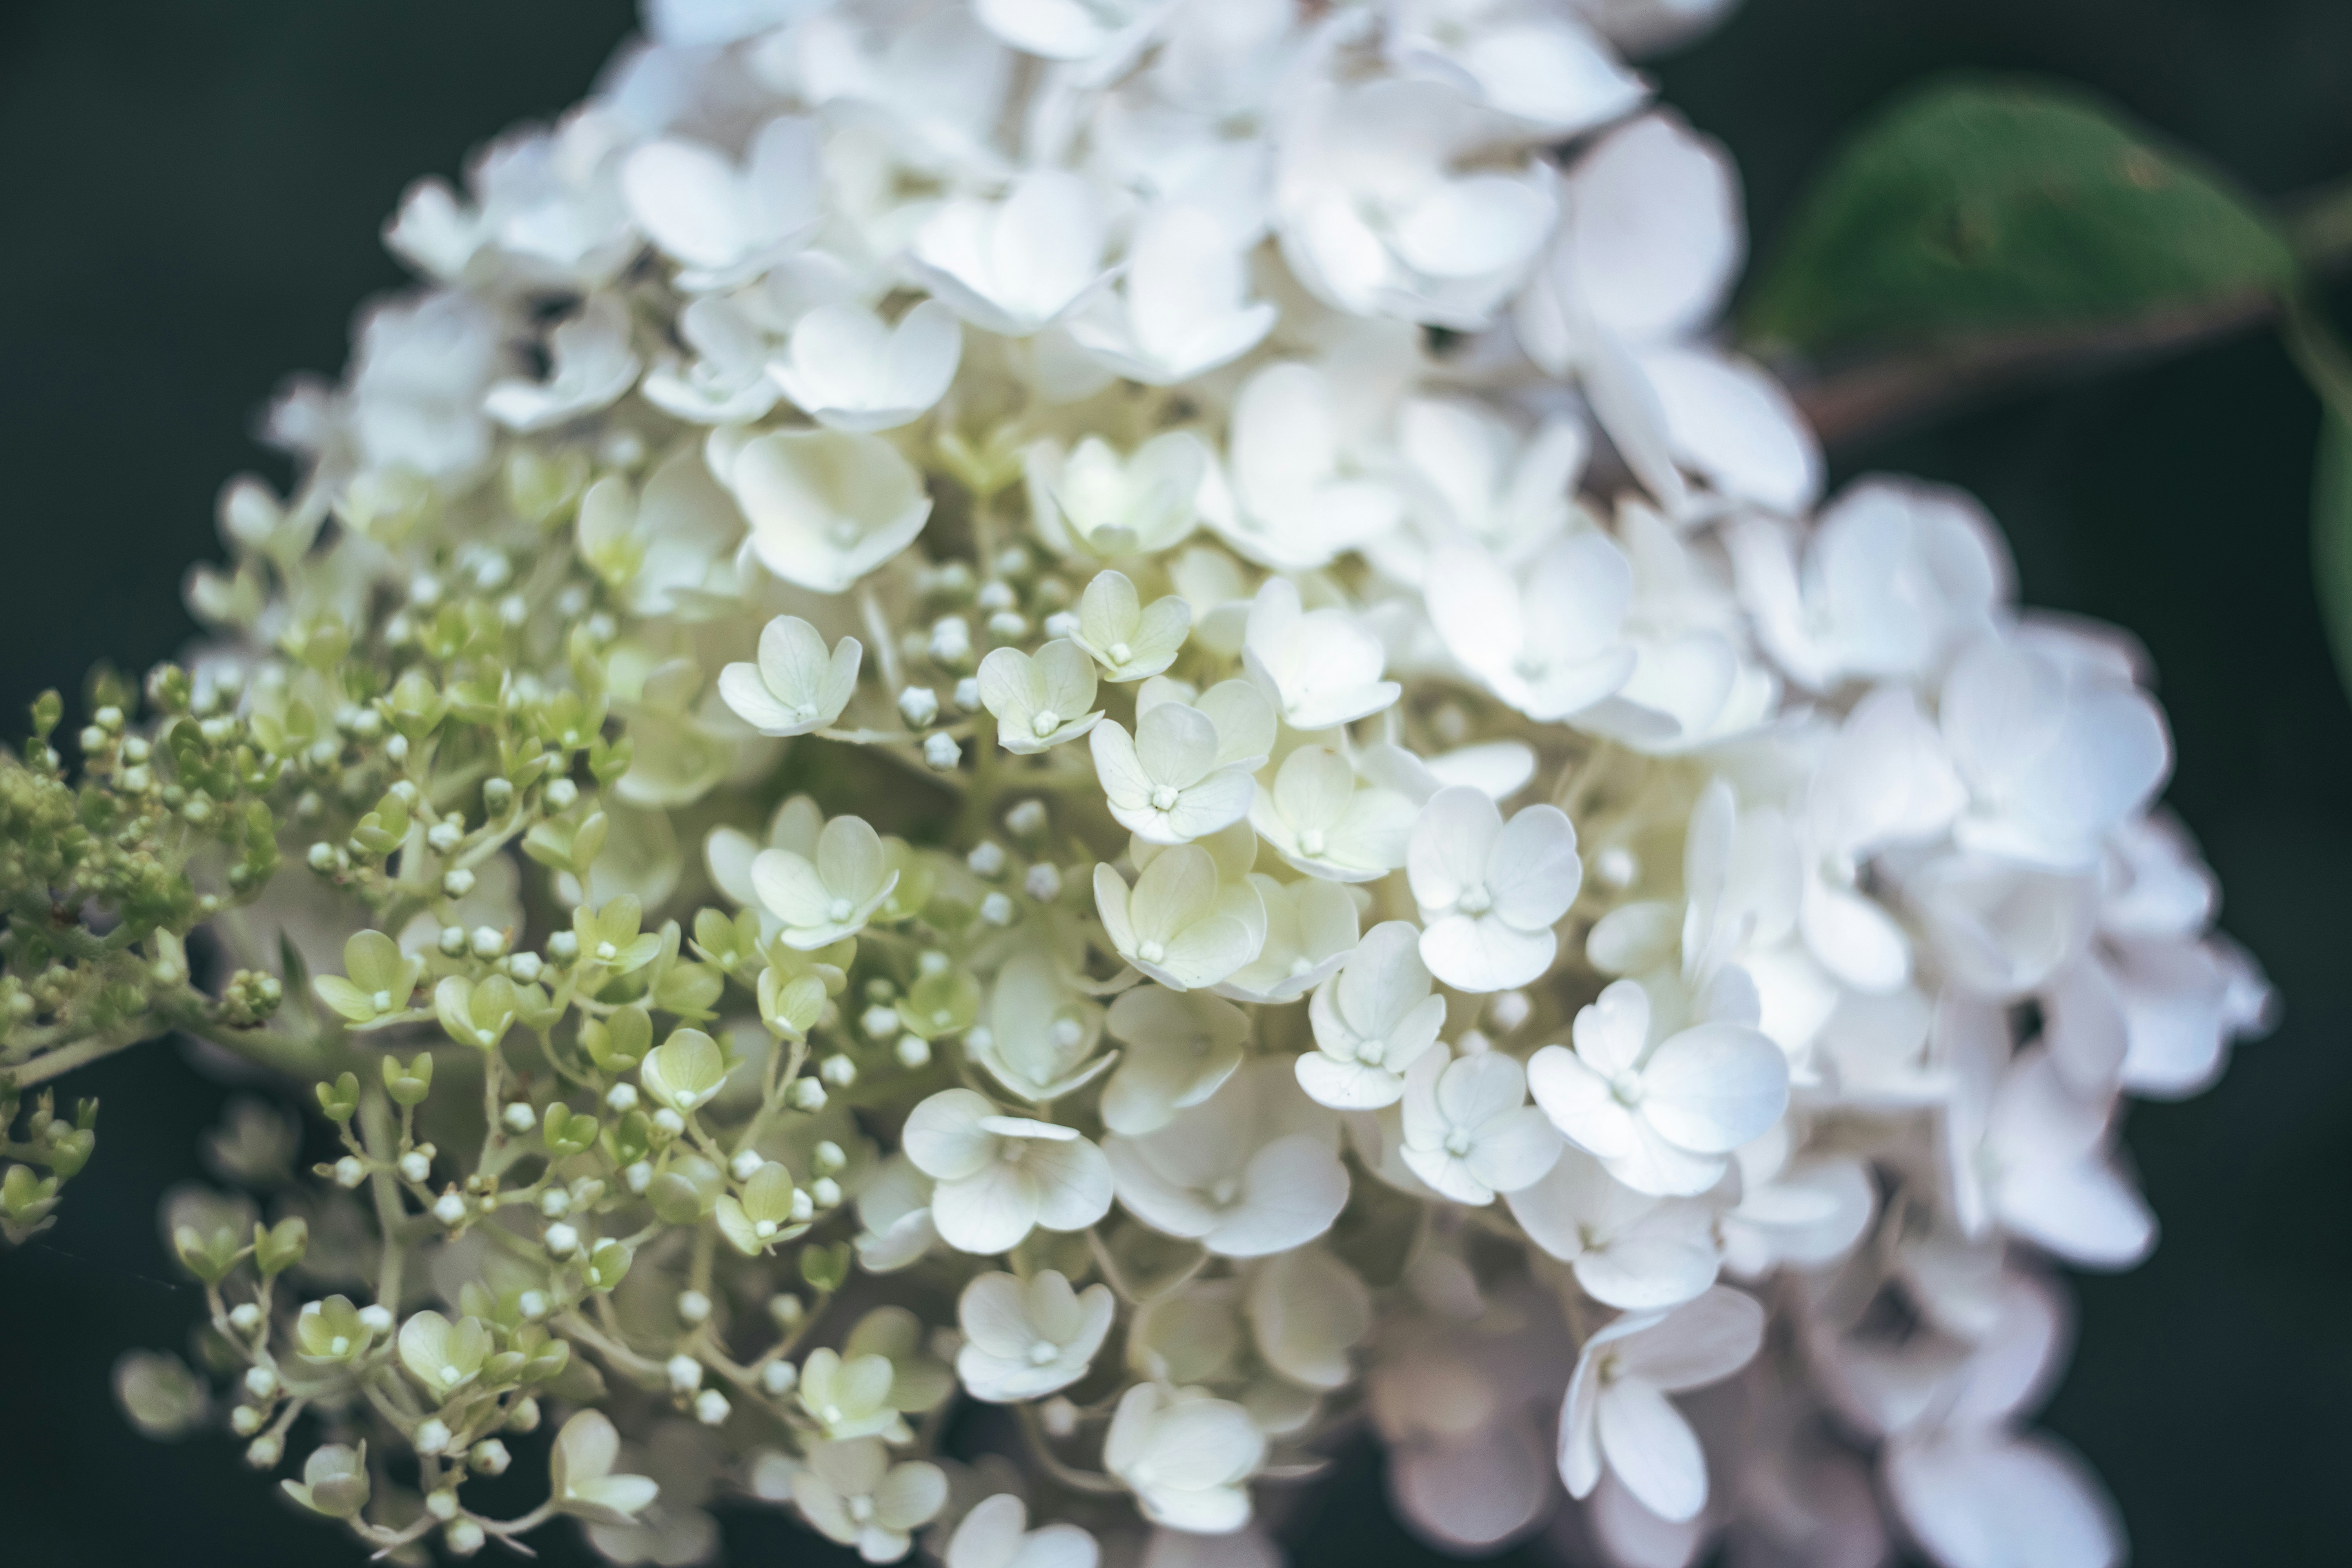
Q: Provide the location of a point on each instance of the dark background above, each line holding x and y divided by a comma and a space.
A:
189, 202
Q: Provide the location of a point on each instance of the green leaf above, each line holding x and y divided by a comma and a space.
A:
1978, 207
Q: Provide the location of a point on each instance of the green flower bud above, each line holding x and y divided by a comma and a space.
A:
686, 1191
381, 978
620, 1042
608, 1264
280, 1246
341, 1098
409, 1085
825, 1267
476, 1015
566, 1132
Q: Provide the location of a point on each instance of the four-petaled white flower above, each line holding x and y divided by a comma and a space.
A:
1629, 1250
999, 1176
847, 371
1014, 266
1042, 701
1040, 1037
820, 901
825, 507
1164, 784
1665, 1116
580, 1473
1311, 930
996, 1534
1181, 1045
797, 686
1182, 923
1250, 1170
850, 1493
1323, 819
1544, 639
724, 224
1490, 891
1090, 499
1024, 1340
1319, 667
1182, 305
1186, 1457
1128, 637
1469, 1132
1617, 1412
1372, 1020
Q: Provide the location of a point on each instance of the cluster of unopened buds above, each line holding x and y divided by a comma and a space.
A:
1032, 753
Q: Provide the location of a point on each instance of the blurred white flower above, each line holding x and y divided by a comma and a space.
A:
998, 1177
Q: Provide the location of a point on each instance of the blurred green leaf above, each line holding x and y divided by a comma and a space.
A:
1976, 208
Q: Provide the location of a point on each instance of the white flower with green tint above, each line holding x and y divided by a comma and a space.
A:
1128, 637
821, 899
684, 1071
1042, 701
376, 980
797, 684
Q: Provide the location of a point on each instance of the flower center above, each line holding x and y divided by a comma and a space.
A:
1044, 722
1300, 965
843, 533
1369, 1052
1311, 841
1626, 1087
861, 1508
1011, 1150
1163, 797
1120, 653
1474, 899
806, 712
1045, 1353
606, 952
1224, 1189
1150, 951
1458, 1142
450, 1374
838, 910
340, 1345
1068, 1031
380, 1001
764, 1229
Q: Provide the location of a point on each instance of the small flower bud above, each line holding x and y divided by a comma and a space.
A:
997, 910
445, 835
987, 859
264, 1452
431, 1437
456, 884
1508, 1010
261, 1383
563, 947
621, 1097
779, 1378
555, 1203
560, 1241
878, 1022
786, 1310
640, 1176
350, 1173
693, 1307
321, 857
685, 1373
837, 1070
415, 1165
498, 795
827, 1157
376, 1319
941, 754
246, 1420
807, 1094
523, 968
562, 795
518, 1117
711, 1407
918, 706
1060, 1417
1008, 625
244, 1317
745, 1166
449, 1208
1061, 624
533, 1304
803, 1206
490, 1457
523, 1415
453, 942
462, 1536
825, 1193
668, 1122
487, 942
913, 1051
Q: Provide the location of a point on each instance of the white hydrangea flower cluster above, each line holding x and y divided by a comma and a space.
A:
1431, 877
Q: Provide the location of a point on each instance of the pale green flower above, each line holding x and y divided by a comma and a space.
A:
1042, 701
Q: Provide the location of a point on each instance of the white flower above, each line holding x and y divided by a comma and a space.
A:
850, 1493
848, 372
825, 507
1372, 1022
797, 686
1662, 1117
1000, 1176
724, 224
1300, 497
1311, 930
1473, 480
1252, 1170
1617, 1410
668, 549
1068, 29
1186, 1457
1546, 70
1040, 1035
1024, 1340
725, 381
1317, 816
1469, 1132
996, 1534
1490, 891
728, 852
1041, 702
1319, 667
2056, 743
1648, 244
1181, 1045
1629, 1250
1307, 1310
1374, 220
580, 1473
592, 367
1016, 266
1182, 307
1164, 784
1090, 499
1182, 923
1544, 639
894, 1212
820, 901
